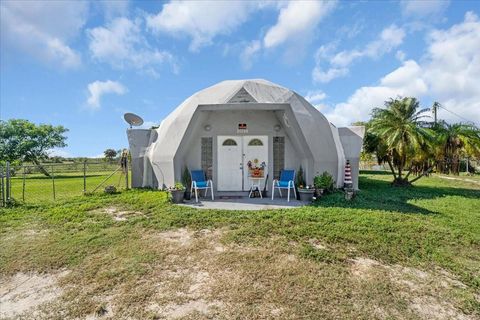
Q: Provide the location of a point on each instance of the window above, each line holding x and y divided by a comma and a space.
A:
255, 142
207, 156
278, 156
229, 142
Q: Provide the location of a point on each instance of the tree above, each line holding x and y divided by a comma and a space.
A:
110, 154
22, 140
399, 133
454, 141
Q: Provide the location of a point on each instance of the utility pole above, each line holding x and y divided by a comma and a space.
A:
434, 111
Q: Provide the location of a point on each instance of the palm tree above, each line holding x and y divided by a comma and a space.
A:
452, 142
402, 130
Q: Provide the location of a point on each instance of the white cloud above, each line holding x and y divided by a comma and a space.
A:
448, 74
98, 156
122, 45
452, 68
404, 81
297, 20
200, 20
98, 88
249, 53
59, 153
148, 125
421, 9
327, 76
114, 8
400, 55
329, 66
43, 29
315, 96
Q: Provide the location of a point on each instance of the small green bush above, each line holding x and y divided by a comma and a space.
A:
110, 189
300, 178
186, 178
324, 181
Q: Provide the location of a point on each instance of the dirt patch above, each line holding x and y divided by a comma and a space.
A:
24, 292
428, 294
34, 233
181, 237
118, 214
363, 268
317, 244
432, 308
200, 306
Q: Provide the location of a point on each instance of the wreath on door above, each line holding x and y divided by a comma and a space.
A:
256, 168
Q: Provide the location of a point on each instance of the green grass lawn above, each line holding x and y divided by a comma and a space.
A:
407, 253
39, 189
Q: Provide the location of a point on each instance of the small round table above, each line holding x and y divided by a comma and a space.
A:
255, 184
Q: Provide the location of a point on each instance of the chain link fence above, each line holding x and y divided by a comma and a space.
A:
373, 166
461, 166
3, 196
58, 181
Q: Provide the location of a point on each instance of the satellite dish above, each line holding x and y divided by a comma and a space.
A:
132, 119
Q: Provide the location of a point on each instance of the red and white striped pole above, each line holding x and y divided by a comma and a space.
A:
347, 181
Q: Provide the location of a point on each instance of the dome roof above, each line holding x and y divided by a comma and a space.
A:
254, 90
303, 121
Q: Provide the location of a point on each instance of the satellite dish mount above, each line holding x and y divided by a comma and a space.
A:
132, 119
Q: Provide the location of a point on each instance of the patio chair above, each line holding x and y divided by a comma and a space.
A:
286, 181
200, 183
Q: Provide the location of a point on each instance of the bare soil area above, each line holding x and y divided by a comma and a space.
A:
198, 275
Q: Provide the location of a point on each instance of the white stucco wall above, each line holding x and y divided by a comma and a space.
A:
352, 141
225, 123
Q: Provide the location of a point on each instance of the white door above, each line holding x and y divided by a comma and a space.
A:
229, 163
255, 148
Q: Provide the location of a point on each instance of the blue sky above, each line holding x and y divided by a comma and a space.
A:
83, 64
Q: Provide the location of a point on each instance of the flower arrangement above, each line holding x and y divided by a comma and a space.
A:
178, 186
256, 168
176, 192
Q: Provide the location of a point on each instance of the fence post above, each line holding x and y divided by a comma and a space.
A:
2, 188
23, 185
7, 182
53, 183
84, 177
126, 174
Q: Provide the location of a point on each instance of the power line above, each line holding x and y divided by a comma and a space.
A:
440, 106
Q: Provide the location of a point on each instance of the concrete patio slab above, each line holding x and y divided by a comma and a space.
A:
244, 203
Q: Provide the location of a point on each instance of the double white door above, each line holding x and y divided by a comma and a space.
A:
233, 155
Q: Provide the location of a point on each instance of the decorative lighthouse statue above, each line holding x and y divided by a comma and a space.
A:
347, 181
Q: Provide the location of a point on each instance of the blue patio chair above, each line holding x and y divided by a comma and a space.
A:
286, 181
200, 183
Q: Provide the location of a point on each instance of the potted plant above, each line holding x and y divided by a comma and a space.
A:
323, 183
306, 193
177, 192
300, 183
187, 182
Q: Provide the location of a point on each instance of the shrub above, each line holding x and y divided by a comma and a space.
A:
324, 181
110, 189
186, 178
300, 178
